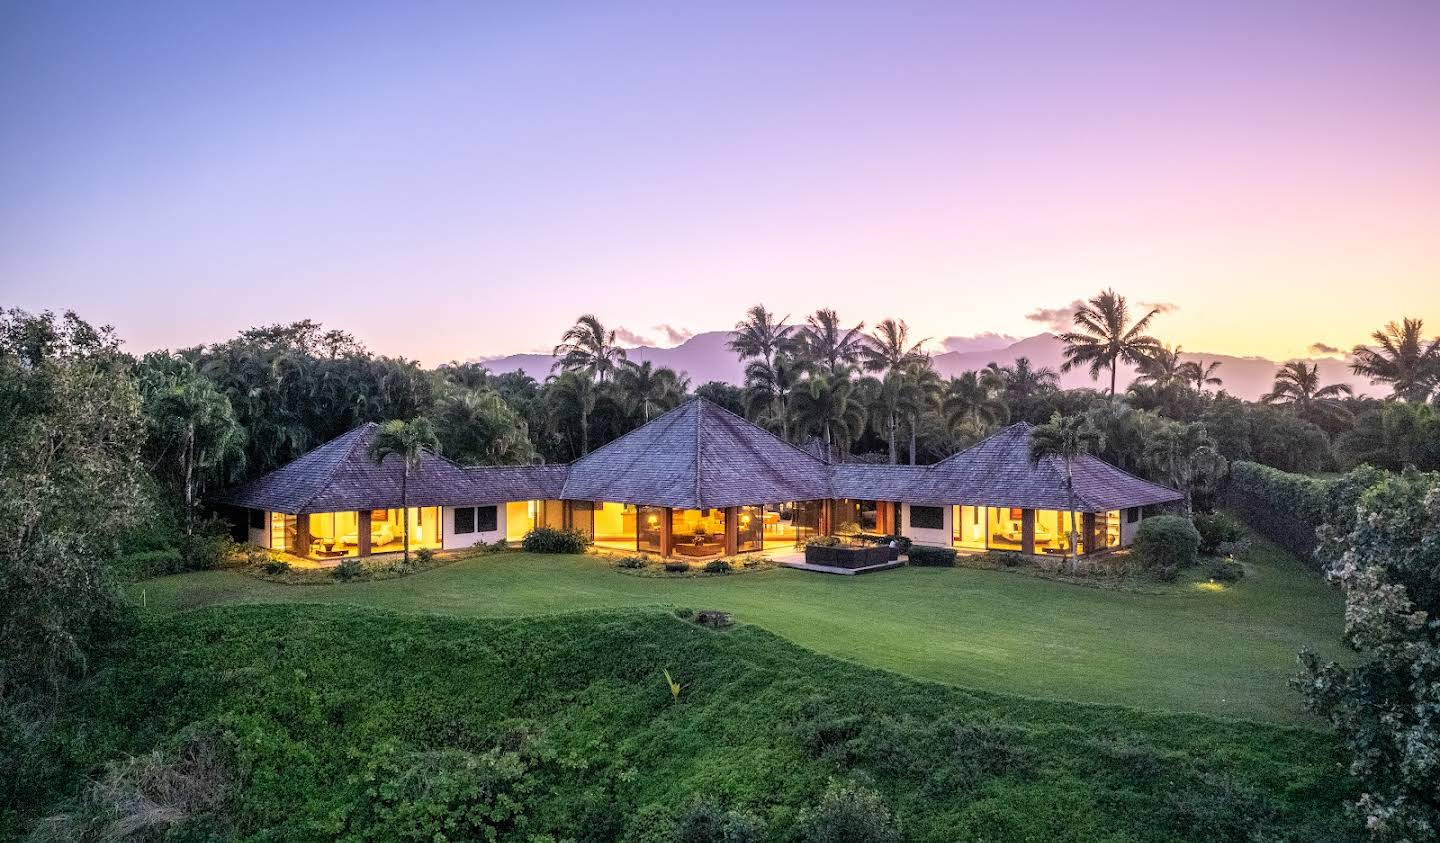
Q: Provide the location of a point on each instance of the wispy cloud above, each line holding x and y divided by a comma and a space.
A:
1056, 318
987, 341
1162, 306
629, 337
674, 335
666, 335
1324, 348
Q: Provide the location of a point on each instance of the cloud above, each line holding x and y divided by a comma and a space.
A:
1324, 348
1162, 306
674, 335
987, 341
1056, 318
629, 337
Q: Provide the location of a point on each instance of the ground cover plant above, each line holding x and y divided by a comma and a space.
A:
323, 723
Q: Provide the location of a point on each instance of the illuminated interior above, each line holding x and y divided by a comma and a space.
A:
779, 525
552, 514
282, 532
855, 516
1005, 527
326, 531
967, 527
1052, 532
1107, 529
805, 517
698, 532
750, 528
616, 525
650, 523
520, 518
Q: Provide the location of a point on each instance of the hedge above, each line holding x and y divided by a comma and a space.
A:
1166, 540
1287, 508
939, 557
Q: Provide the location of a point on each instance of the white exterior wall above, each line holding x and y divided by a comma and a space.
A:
935, 538
449, 540
260, 536
1128, 530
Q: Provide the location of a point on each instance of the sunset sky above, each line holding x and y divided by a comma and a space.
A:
457, 180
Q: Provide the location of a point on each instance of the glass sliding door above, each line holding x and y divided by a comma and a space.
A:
650, 526
968, 527
1004, 527
750, 528
615, 525
520, 518
806, 520
697, 532
334, 535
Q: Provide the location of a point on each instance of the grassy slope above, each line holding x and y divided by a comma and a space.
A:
309, 697
1223, 653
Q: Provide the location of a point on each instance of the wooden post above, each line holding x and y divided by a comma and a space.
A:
667, 517
362, 532
732, 530
302, 535
1027, 532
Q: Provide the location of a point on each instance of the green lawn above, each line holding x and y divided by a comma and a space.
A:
1220, 652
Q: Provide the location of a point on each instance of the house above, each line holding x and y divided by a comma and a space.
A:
696, 482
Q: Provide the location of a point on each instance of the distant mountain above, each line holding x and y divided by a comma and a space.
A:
704, 357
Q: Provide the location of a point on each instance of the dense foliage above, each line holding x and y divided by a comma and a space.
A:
1288, 508
1384, 552
339, 723
554, 540
1167, 540
943, 557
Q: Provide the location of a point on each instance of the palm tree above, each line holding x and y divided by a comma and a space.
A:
1403, 359
408, 441
1201, 374
969, 400
577, 394
829, 403
1298, 384
1106, 337
478, 427
1020, 385
924, 392
640, 386
760, 335
1164, 369
1068, 439
769, 386
1183, 453
889, 348
587, 347
829, 345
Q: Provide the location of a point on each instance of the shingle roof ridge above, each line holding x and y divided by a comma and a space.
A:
1023, 425
699, 462
344, 458
1129, 474
749, 423
622, 437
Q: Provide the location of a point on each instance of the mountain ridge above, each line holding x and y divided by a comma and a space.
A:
704, 357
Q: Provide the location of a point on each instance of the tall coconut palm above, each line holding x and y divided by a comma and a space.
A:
760, 334
769, 386
1298, 384
1163, 368
829, 404
587, 347
649, 390
924, 393
889, 348
1183, 454
1200, 374
1068, 439
574, 395
969, 400
830, 346
1402, 358
1106, 337
407, 440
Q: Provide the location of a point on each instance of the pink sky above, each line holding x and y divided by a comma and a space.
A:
464, 182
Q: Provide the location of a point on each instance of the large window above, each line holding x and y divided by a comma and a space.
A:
520, 518
283, 530
697, 532
650, 523
616, 525
389, 526
967, 527
806, 517
750, 528
1005, 527
855, 516
1052, 532
927, 517
1107, 529
332, 535
475, 519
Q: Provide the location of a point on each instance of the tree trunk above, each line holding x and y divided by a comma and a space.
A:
1071, 557
584, 433
404, 507
189, 478
894, 454
1113, 361
913, 421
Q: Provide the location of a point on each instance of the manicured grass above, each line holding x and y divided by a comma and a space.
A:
1226, 652
343, 723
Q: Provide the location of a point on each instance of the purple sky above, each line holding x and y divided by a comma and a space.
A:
455, 180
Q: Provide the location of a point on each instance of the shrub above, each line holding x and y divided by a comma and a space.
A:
677, 566
206, 549
472, 796
705, 822
1166, 540
823, 541
1226, 571
1166, 573
630, 562
348, 569
425, 556
939, 557
1216, 529
851, 813
149, 563
903, 542
718, 566
275, 566
552, 540
684, 613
